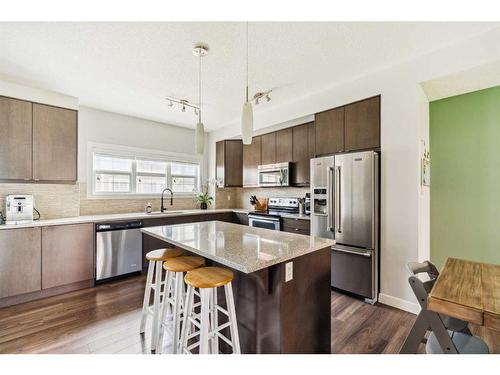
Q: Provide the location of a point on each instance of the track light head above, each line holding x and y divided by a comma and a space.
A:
268, 98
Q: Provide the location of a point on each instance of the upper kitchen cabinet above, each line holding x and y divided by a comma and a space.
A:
16, 139
268, 148
229, 163
329, 131
251, 160
284, 145
54, 144
302, 153
362, 124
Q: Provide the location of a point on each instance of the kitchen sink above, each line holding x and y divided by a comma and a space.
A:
166, 212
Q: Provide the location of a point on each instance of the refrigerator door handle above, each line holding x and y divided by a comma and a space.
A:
331, 223
365, 253
338, 213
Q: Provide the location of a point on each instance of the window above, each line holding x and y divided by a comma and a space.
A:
115, 174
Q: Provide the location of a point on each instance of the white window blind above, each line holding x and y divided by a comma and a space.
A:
137, 175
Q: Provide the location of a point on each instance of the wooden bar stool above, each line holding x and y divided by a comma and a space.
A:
207, 280
174, 298
156, 259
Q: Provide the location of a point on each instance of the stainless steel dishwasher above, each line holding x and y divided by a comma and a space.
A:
118, 248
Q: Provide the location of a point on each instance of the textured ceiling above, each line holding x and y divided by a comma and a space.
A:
130, 67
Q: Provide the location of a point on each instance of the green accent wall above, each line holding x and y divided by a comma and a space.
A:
465, 177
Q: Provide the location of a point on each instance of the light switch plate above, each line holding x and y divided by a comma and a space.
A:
288, 272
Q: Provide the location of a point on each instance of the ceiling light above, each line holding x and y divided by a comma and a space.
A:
247, 112
256, 101
268, 98
199, 135
170, 104
183, 108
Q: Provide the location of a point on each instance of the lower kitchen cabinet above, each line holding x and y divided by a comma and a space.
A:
300, 226
20, 258
67, 254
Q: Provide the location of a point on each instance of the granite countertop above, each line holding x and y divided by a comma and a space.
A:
116, 217
246, 249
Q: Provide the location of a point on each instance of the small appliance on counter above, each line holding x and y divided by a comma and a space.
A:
308, 203
19, 209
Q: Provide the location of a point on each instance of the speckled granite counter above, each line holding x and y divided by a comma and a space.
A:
116, 217
246, 249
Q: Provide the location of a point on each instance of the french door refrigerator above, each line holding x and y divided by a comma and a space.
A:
344, 207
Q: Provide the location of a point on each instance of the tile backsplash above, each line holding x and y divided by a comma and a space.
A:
240, 197
116, 206
56, 201
53, 201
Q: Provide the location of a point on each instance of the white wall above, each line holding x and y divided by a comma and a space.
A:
19, 91
404, 125
112, 128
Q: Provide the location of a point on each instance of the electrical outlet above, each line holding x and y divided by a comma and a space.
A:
288, 272
228, 197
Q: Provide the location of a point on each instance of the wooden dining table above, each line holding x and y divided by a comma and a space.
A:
469, 291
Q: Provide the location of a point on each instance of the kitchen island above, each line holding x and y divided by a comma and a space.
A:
281, 284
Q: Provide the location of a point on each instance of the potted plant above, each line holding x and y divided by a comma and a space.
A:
204, 200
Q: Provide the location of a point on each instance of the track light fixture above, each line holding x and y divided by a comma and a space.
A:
261, 95
182, 104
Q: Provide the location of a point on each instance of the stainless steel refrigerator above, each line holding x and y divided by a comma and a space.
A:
344, 207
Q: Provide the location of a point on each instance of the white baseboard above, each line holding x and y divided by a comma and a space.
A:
399, 303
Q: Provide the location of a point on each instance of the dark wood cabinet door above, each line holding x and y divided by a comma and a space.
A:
20, 260
311, 135
54, 144
16, 139
268, 151
67, 254
362, 124
300, 168
329, 131
251, 160
284, 145
233, 163
219, 163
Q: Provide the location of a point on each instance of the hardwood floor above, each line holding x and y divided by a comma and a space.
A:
105, 319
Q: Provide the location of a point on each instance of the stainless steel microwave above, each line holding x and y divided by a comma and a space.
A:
274, 174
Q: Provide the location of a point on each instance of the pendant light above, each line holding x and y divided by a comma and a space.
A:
199, 136
247, 112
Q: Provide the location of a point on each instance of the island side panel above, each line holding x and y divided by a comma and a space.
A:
306, 305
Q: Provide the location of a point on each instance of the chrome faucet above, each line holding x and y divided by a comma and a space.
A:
162, 208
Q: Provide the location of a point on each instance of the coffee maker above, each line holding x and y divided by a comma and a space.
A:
19, 209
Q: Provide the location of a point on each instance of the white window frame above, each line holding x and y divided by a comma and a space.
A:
137, 153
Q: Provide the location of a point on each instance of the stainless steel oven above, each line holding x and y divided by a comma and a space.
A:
264, 221
274, 174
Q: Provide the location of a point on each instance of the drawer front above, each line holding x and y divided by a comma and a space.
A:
297, 223
296, 230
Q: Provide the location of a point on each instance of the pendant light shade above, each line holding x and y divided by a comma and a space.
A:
247, 123
199, 138
247, 113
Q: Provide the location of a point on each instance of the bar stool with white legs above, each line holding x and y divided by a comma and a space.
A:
207, 280
156, 259
174, 297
